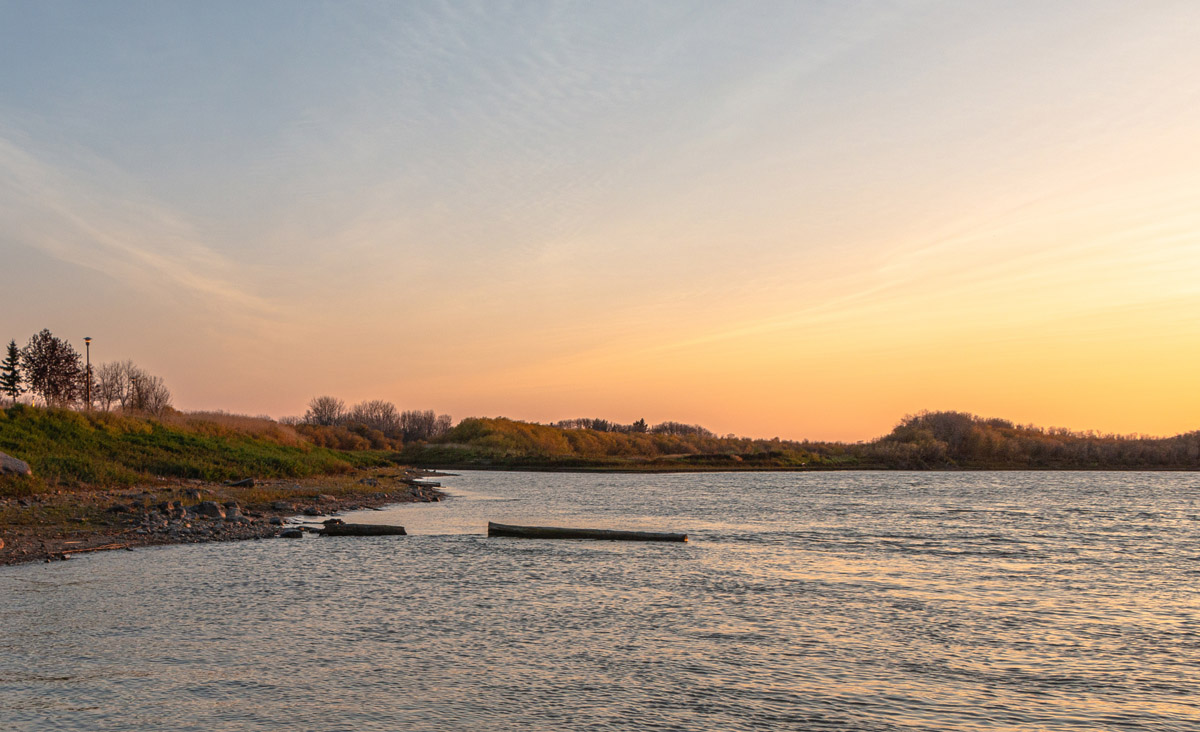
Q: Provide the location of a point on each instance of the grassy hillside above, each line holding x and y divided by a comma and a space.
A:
72, 448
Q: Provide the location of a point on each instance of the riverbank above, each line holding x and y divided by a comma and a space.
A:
68, 522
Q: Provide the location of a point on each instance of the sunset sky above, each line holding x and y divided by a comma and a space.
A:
794, 219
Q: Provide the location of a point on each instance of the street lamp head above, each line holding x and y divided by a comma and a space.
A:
88, 340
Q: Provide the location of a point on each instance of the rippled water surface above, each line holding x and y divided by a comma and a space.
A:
827, 601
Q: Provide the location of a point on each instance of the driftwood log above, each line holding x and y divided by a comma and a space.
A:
362, 530
104, 548
547, 532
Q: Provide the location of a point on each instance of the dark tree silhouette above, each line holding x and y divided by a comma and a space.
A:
376, 414
325, 410
53, 369
10, 373
423, 425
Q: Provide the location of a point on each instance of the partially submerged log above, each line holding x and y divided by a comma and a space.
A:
362, 530
548, 532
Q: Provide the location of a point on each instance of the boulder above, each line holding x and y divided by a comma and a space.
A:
282, 506
276, 521
211, 509
9, 464
291, 534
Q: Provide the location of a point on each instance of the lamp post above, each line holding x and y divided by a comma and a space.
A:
87, 347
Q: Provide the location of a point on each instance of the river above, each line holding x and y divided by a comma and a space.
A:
807, 601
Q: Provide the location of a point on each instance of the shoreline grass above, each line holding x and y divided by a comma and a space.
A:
78, 450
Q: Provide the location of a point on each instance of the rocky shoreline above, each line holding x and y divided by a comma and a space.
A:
59, 525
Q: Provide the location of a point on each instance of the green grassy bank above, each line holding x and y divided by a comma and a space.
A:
73, 449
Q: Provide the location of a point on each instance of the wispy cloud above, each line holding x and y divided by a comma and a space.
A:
86, 213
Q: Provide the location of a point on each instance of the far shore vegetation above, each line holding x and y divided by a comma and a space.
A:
926, 441
73, 449
114, 426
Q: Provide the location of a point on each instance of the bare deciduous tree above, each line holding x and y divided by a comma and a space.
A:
149, 393
125, 384
378, 415
112, 383
325, 410
423, 425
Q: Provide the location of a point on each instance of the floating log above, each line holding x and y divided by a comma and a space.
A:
548, 532
362, 530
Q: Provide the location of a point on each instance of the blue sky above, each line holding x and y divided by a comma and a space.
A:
796, 218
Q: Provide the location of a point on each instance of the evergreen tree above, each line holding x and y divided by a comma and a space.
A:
10, 373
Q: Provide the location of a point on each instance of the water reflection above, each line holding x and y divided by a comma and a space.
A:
868, 601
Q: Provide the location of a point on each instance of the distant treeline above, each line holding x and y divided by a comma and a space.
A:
375, 424
638, 427
930, 440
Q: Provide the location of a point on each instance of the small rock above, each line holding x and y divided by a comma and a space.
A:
192, 493
118, 508
276, 521
282, 506
291, 534
246, 483
325, 497
310, 511
333, 522
173, 510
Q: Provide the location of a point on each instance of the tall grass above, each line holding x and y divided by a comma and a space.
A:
102, 449
224, 424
